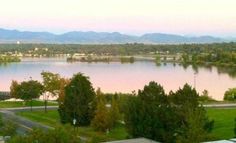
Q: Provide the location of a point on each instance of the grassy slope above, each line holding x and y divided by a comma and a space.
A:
9, 104
52, 119
223, 127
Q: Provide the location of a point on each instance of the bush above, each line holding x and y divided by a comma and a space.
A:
205, 97
59, 135
230, 94
7, 128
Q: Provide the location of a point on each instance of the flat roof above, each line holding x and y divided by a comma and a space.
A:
223, 141
137, 140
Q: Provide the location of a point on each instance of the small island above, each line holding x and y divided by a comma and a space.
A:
106, 59
9, 59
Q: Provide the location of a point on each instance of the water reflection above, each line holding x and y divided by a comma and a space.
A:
117, 77
231, 71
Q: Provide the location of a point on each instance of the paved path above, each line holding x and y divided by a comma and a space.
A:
226, 105
18, 109
24, 124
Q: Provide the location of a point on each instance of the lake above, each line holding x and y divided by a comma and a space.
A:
117, 77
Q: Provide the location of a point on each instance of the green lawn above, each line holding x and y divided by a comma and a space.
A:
9, 104
51, 118
224, 122
223, 127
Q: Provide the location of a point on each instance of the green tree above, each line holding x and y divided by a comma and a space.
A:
187, 96
101, 121
158, 60
78, 101
148, 114
191, 117
185, 58
27, 90
13, 88
51, 84
205, 97
114, 112
230, 94
194, 127
175, 118
61, 95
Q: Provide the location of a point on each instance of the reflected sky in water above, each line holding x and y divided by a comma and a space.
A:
117, 77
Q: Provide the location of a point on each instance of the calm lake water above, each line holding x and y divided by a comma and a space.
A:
117, 77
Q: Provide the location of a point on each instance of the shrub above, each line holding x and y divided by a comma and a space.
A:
230, 94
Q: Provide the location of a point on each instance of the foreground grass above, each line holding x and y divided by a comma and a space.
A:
51, 118
224, 122
11, 104
223, 127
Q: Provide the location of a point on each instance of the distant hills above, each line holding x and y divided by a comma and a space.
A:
12, 36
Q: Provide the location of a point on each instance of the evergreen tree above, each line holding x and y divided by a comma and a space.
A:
148, 114
193, 129
174, 118
78, 101
193, 123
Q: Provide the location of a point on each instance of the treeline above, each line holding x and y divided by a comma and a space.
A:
9, 59
151, 112
219, 58
105, 59
119, 49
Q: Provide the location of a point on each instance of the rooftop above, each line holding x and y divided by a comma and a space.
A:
138, 140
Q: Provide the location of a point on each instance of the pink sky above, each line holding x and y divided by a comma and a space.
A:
195, 17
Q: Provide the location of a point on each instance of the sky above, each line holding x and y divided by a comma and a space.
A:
185, 17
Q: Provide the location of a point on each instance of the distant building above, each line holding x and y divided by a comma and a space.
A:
78, 55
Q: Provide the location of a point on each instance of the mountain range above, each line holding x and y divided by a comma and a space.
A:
12, 36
